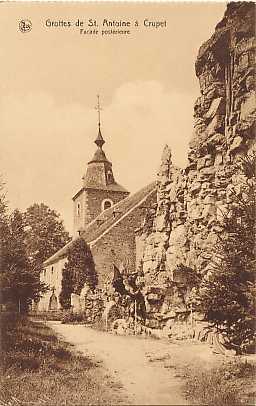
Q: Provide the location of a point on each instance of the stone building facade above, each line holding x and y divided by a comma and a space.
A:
106, 216
191, 202
99, 191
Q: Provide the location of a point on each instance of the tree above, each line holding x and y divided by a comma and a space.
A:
66, 288
3, 217
3, 203
226, 294
4, 231
18, 284
45, 234
78, 271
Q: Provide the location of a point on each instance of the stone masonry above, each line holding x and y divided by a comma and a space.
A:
191, 202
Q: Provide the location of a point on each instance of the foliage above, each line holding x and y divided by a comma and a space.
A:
4, 226
223, 385
53, 315
78, 271
66, 288
227, 291
45, 234
70, 317
3, 203
18, 284
3, 232
25, 242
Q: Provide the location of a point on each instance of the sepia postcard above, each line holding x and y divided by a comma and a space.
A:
127, 203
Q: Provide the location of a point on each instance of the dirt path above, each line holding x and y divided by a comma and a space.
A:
145, 367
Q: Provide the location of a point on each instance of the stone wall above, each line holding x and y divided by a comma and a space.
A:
52, 276
95, 198
191, 202
90, 205
117, 245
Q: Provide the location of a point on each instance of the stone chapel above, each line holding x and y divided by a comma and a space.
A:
107, 217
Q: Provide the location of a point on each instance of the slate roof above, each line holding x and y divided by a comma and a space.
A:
106, 220
110, 216
99, 156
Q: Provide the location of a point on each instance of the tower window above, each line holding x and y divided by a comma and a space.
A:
106, 204
109, 176
78, 209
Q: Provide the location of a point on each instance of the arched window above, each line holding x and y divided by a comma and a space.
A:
78, 209
106, 204
109, 176
53, 302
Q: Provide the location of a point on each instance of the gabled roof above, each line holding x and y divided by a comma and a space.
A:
106, 220
59, 254
111, 216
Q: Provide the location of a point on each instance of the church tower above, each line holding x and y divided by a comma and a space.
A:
99, 191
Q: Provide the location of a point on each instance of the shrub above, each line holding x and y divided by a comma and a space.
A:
226, 294
70, 317
78, 271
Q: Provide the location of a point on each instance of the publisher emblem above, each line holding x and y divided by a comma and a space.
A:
25, 26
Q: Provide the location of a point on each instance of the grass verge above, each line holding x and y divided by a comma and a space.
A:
39, 369
232, 383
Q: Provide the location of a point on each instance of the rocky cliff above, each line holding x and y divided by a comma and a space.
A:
191, 202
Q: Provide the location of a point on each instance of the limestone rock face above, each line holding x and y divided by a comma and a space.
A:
191, 202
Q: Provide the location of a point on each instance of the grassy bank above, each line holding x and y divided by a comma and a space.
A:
232, 383
38, 369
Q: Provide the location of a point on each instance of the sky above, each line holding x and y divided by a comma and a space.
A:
50, 78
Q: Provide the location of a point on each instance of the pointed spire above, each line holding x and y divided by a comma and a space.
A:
99, 140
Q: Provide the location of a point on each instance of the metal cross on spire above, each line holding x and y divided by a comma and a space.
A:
98, 108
